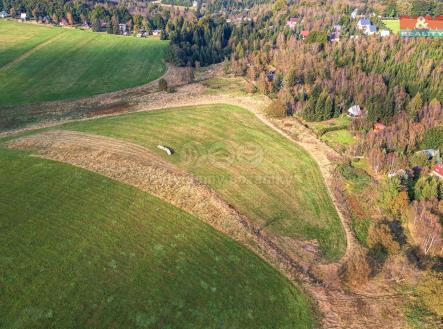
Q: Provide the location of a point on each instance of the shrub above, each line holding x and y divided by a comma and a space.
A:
355, 272
427, 188
380, 234
162, 85
276, 109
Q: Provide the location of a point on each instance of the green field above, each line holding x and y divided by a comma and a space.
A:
393, 25
39, 63
82, 251
264, 175
338, 138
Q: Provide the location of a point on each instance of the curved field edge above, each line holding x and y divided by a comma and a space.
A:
262, 174
74, 64
79, 249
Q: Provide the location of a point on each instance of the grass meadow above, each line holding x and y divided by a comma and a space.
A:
265, 176
80, 250
393, 25
39, 63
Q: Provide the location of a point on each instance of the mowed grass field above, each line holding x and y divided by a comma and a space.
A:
39, 63
79, 250
262, 174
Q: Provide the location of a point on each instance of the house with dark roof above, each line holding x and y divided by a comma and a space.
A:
304, 34
366, 26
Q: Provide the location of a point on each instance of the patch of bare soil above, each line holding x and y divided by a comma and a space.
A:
139, 167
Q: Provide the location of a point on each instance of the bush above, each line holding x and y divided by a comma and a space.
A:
380, 234
427, 188
419, 160
355, 272
276, 109
162, 85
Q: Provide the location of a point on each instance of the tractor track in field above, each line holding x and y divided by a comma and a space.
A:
31, 51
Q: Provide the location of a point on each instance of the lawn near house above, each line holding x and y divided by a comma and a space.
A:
80, 250
262, 174
393, 25
39, 63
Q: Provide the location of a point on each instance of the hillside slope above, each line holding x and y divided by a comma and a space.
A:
80, 250
39, 64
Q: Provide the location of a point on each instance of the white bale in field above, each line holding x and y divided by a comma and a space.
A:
166, 149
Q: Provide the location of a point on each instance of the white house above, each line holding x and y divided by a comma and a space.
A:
365, 25
384, 33
292, 23
354, 14
354, 111
23, 16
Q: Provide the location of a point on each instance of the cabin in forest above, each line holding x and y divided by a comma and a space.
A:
304, 34
123, 28
430, 153
355, 111
365, 25
437, 170
378, 126
292, 23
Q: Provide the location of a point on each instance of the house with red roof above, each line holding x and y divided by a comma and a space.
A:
378, 126
304, 34
437, 170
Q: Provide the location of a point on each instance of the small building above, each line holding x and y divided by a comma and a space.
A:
384, 33
355, 111
366, 26
430, 153
334, 37
378, 126
156, 32
3, 14
123, 28
23, 16
304, 34
437, 170
292, 23
354, 14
